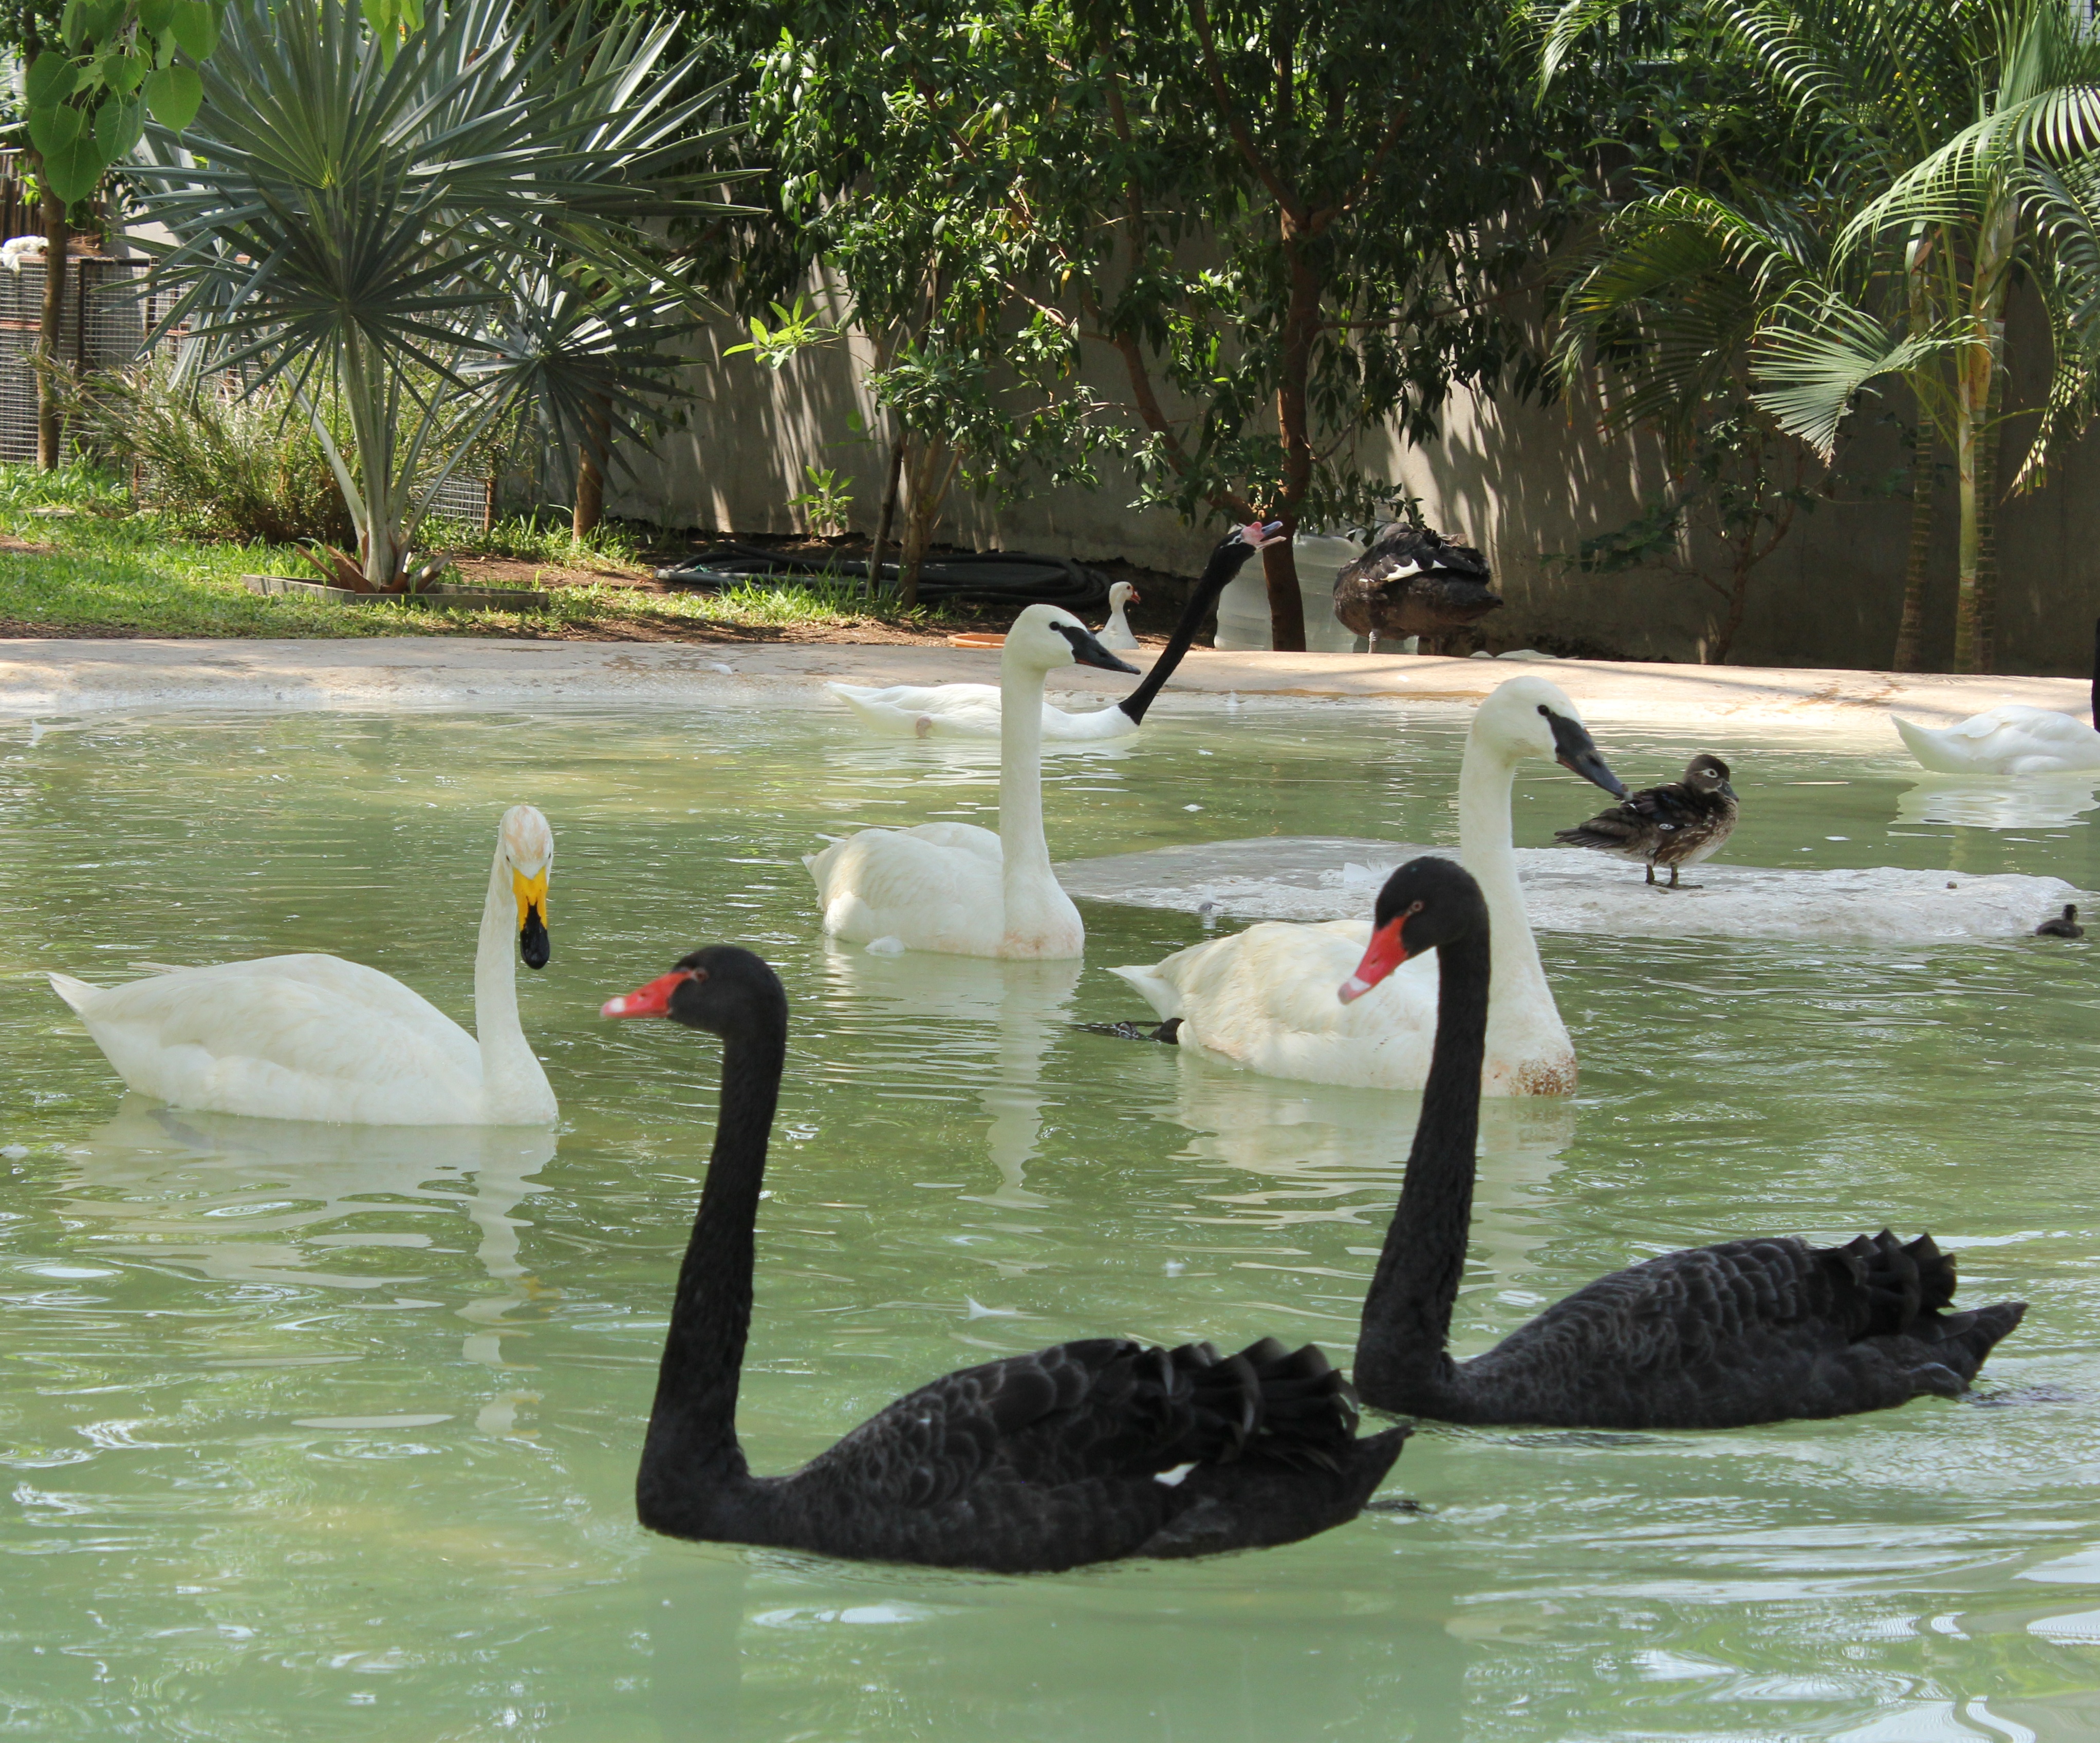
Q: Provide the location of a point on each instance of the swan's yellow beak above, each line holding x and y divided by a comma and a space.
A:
532, 893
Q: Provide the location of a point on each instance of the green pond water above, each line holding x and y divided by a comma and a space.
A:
329, 1433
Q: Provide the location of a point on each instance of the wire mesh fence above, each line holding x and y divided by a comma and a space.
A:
106, 312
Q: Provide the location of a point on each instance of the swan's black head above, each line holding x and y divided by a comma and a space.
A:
1427, 902
1229, 555
1707, 773
723, 989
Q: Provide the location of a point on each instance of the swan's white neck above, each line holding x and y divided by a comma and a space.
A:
514, 1090
1039, 914
1522, 1018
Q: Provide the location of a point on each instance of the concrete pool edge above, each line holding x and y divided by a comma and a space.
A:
58, 678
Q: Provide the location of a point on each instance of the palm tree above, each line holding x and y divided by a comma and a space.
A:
432, 229
1951, 145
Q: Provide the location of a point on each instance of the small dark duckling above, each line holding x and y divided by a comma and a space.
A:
1169, 1031
1675, 825
2065, 927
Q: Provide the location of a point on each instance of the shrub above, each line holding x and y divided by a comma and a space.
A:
215, 462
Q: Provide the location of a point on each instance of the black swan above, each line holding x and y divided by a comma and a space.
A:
2067, 926
1413, 582
1675, 825
1228, 557
1715, 1337
1084, 1452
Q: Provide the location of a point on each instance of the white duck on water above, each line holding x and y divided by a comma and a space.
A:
316, 1038
971, 710
1264, 999
955, 887
2011, 740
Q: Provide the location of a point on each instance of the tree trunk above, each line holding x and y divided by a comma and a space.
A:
1978, 367
51, 427
1279, 563
883, 526
1988, 442
1286, 604
930, 474
1922, 454
592, 453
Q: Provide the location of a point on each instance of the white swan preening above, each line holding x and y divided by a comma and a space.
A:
1116, 632
971, 710
315, 1037
2012, 740
1264, 999
955, 887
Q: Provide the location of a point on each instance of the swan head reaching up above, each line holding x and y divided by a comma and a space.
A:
527, 847
1528, 716
720, 989
1425, 903
1043, 638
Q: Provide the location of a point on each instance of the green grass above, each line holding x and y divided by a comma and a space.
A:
111, 571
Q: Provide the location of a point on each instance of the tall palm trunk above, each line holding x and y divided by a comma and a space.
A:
1923, 446
1977, 370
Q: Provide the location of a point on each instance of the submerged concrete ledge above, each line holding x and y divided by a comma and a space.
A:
63, 678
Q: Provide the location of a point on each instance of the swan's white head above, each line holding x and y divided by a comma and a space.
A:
1122, 593
1528, 716
527, 847
1043, 638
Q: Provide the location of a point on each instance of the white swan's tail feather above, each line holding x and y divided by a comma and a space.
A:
1924, 746
76, 993
1164, 997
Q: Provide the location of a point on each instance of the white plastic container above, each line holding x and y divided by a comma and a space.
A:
1243, 606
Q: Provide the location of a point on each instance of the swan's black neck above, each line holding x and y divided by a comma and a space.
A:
692, 1440
1400, 1359
1225, 562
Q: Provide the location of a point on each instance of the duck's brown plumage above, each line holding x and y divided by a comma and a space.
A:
1675, 825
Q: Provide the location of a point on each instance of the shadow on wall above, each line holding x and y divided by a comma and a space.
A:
1521, 481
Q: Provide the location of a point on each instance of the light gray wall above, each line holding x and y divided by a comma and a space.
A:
1520, 481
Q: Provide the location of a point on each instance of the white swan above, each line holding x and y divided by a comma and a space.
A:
1116, 632
315, 1037
955, 887
2012, 740
971, 710
1264, 999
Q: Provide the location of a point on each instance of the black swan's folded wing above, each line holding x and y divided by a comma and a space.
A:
1104, 1407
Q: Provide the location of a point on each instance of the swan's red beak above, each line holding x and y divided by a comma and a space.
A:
651, 1000
1384, 954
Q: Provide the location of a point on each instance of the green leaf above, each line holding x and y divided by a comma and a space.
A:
75, 170
157, 15
50, 80
173, 94
53, 131
196, 29
121, 72
118, 124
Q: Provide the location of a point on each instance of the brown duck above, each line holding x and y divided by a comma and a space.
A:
1413, 582
1675, 825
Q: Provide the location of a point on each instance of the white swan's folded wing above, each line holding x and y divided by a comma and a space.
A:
306, 1036
967, 711
1265, 999
936, 888
2012, 740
